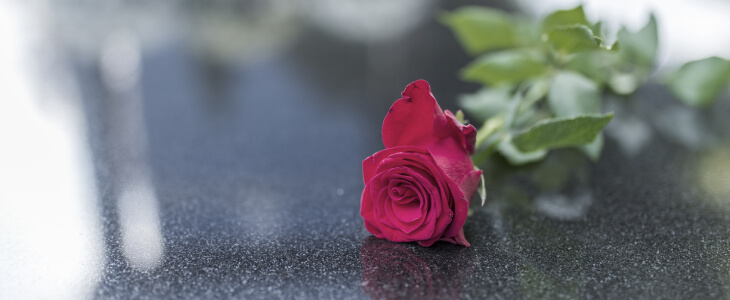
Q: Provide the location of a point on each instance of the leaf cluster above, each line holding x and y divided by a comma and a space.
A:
543, 81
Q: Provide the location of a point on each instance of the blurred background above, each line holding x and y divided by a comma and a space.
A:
188, 147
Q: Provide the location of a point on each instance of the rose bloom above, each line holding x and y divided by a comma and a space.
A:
418, 189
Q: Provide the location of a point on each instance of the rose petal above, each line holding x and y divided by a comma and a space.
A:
370, 164
407, 212
420, 193
470, 183
440, 213
428, 242
455, 163
416, 119
469, 133
426, 215
458, 239
381, 210
459, 213
366, 211
398, 193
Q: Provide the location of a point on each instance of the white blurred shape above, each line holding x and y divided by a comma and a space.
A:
120, 59
137, 204
81, 27
562, 207
688, 30
142, 243
51, 243
368, 21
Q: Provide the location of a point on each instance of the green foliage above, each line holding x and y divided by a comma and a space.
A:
515, 156
636, 58
487, 103
596, 65
700, 83
571, 94
574, 16
561, 132
505, 67
563, 60
573, 38
480, 29
640, 47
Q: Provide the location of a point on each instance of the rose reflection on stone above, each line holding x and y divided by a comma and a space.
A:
418, 189
395, 271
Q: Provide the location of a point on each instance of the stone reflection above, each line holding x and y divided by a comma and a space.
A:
408, 271
557, 187
536, 284
553, 260
532, 209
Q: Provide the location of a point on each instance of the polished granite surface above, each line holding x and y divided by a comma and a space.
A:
202, 176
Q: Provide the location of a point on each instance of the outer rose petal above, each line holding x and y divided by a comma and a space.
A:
470, 183
459, 239
451, 158
416, 119
366, 211
468, 131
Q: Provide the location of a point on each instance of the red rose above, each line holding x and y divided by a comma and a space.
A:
418, 189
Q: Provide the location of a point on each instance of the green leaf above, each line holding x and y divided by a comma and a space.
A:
571, 95
480, 29
700, 82
505, 67
640, 47
565, 17
572, 38
596, 64
527, 31
616, 47
561, 132
487, 102
460, 116
597, 28
517, 157
593, 150
482, 187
